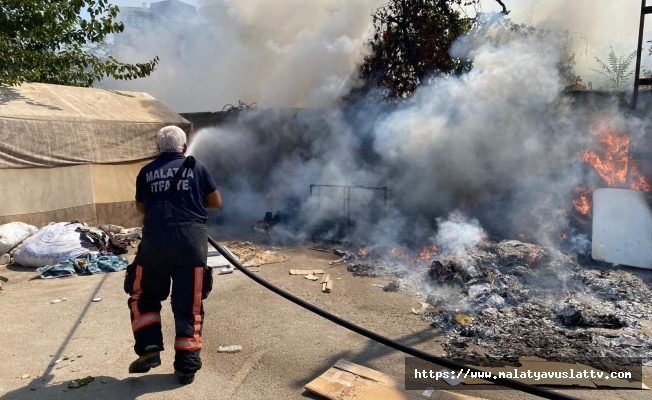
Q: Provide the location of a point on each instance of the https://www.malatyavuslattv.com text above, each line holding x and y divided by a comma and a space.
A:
571, 373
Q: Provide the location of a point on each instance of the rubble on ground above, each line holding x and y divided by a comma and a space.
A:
522, 299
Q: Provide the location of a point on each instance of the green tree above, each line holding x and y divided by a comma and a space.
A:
50, 41
618, 69
412, 42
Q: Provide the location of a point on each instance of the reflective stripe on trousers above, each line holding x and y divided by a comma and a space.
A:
194, 343
141, 320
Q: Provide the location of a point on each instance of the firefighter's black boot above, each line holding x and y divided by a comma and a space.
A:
145, 362
186, 379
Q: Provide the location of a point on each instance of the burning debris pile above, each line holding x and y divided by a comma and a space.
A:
518, 299
499, 301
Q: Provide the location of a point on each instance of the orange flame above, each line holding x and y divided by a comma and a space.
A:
613, 161
638, 182
399, 253
428, 252
611, 165
582, 203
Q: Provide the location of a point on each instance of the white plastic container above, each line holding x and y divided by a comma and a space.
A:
622, 227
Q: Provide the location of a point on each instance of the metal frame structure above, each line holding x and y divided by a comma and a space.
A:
346, 197
638, 81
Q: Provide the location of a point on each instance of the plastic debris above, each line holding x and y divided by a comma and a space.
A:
96, 299
226, 270
55, 301
229, 349
25, 376
77, 383
463, 319
419, 311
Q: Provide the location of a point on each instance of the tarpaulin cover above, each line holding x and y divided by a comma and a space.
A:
70, 153
51, 125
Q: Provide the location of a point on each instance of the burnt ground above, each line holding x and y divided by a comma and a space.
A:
285, 346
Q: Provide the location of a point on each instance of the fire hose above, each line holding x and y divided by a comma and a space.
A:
510, 383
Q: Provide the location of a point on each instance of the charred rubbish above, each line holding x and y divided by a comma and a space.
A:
271, 220
524, 300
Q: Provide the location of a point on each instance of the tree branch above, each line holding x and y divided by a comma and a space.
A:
505, 10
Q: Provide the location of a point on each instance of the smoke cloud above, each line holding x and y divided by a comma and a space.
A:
499, 145
287, 53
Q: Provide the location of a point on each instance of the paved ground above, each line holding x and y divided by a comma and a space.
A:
284, 346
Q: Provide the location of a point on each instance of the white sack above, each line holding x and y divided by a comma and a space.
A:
55, 242
13, 233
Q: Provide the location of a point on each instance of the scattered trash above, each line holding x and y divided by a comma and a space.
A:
55, 301
463, 319
226, 270
229, 349
5, 259
25, 376
424, 307
450, 378
312, 277
77, 383
109, 228
96, 299
327, 284
394, 286
377, 285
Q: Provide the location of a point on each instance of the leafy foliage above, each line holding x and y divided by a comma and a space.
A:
567, 64
617, 70
412, 42
49, 41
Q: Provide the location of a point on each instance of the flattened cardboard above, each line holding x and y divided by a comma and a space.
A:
348, 381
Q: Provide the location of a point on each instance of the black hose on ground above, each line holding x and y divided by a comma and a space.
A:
381, 339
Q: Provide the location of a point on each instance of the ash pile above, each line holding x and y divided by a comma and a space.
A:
500, 301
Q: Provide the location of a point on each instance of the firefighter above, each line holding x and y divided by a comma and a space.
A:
173, 192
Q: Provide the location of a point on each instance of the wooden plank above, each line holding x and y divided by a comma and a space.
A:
349, 381
306, 271
327, 284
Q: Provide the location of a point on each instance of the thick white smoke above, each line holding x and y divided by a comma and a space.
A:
484, 142
498, 144
292, 53
288, 53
